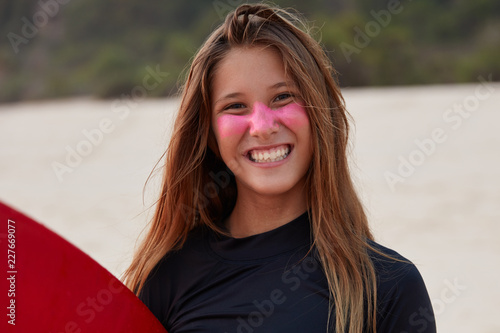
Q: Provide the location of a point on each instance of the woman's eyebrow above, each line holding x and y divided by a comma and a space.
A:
283, 84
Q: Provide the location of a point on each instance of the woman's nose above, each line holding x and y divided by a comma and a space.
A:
263, 121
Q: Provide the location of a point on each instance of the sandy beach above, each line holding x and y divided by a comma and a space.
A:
425, 159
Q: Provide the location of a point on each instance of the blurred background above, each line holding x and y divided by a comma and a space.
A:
52, 49
88, 96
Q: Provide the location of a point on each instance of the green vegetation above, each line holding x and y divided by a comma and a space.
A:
58, 48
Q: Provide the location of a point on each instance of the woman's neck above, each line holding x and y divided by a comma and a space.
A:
254, 214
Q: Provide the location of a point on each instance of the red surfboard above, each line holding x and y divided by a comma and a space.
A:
50, 286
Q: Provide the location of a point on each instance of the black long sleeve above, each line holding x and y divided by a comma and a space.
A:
271, 283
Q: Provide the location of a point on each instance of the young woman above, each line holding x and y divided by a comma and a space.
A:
258, 227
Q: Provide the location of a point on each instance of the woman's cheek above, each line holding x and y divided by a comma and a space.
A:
230, 125
293, 116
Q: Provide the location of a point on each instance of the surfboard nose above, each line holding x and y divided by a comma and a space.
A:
55, 287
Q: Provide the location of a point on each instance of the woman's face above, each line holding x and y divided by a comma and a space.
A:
262, 130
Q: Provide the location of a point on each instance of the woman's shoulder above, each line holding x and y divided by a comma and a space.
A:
394, 271
177, 271
391, 266
193, 247
403, 303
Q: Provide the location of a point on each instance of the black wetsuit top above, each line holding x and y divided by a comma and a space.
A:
271, 282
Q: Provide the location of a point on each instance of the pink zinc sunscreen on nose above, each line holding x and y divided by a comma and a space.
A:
292, 115
262, 119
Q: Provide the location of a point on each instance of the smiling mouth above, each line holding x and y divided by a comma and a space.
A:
269, 155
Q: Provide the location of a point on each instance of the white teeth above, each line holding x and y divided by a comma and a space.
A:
271, 155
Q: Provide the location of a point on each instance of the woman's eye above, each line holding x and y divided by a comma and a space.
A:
234, 106
283, 96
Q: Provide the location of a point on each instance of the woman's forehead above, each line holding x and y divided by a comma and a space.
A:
244, 67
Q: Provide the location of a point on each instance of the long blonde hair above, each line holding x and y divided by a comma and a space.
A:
339, 226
